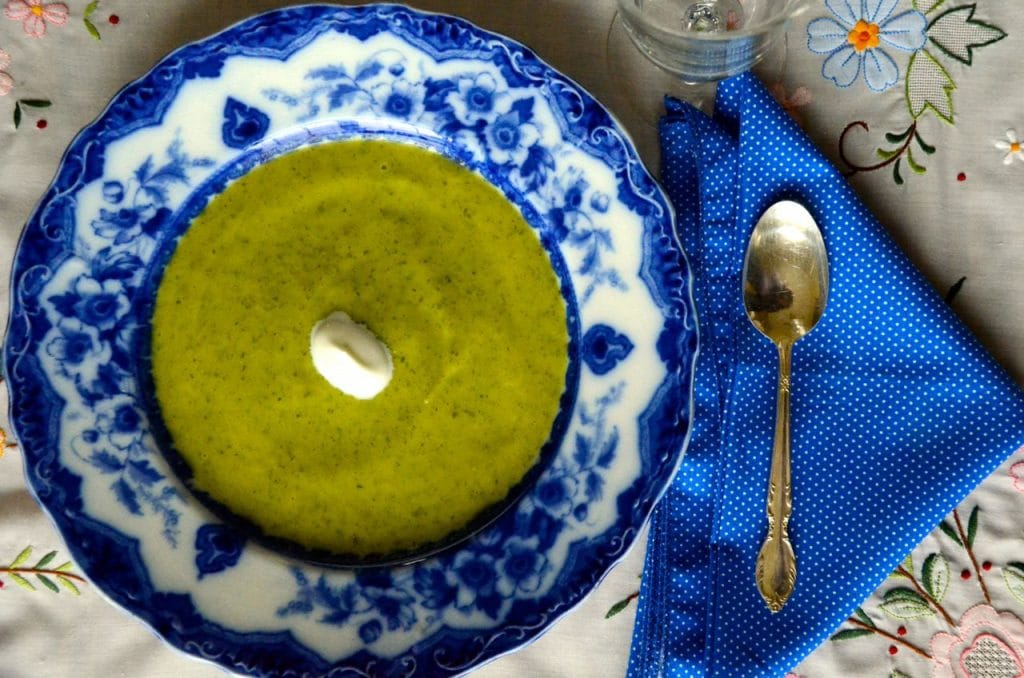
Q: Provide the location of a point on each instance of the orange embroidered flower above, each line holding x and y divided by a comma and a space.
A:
863, 36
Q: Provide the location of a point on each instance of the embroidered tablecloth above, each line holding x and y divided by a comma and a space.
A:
930, 139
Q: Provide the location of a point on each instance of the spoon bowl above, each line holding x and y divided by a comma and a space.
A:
785, 287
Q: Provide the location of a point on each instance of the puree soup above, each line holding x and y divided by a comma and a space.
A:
430, 258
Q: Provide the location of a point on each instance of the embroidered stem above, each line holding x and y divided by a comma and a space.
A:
970, 554
33, 570
891, 156
924, 594
891, 636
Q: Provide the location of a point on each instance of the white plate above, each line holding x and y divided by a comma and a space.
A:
271, 83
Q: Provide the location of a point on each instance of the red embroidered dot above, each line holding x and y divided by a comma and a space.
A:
902, 630
114, 19
966, 574
961, 177
41, 124
893, 649
1, 583
986, 566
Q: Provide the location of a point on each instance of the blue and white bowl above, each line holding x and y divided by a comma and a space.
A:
271, 83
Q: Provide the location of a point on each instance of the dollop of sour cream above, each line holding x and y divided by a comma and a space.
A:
349, 356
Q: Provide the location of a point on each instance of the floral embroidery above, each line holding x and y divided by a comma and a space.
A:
857, 40
853, 42
42, 572
1013, 147
34, 15
1017, 473
791, 103
6, 81
984, 642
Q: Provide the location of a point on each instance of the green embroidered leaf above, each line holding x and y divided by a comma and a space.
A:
896, 174
35, 103
17, 115
935, 576
69, 585
21, 581
957, 33
927, 148
91, 27
972, 526
66, 567
619, 606
863, 616
894, 138
948, 530
918, 169
927, 6
849, 634
45, 560
1013, 575
907, 564
896, 673
905, 603
929, 86
885, 154
20, 559
955, 289
48, 583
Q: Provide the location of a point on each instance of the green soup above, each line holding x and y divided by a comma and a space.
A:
434, 261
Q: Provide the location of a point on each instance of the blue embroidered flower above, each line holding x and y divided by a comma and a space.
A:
476, 99
853, 40
509, 138
399, 99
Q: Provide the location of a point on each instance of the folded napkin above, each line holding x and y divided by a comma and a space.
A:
897, 412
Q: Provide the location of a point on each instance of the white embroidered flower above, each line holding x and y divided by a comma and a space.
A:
1013, 147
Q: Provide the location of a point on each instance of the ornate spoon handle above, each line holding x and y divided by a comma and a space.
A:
776, 564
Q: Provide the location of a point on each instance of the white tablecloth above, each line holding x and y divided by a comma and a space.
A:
943, 190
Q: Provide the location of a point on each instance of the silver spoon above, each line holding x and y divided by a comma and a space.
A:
785, 286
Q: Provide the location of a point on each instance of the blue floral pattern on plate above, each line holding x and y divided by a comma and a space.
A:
72, 353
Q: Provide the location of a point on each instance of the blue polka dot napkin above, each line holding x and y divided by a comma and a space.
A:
897, 412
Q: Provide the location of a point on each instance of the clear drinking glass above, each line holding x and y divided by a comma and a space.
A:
702, 41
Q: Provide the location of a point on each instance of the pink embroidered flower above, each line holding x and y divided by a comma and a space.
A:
6, 81
800, 98
986, 642
1017, 473
35, 14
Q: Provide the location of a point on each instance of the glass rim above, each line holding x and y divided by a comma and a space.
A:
634, 16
